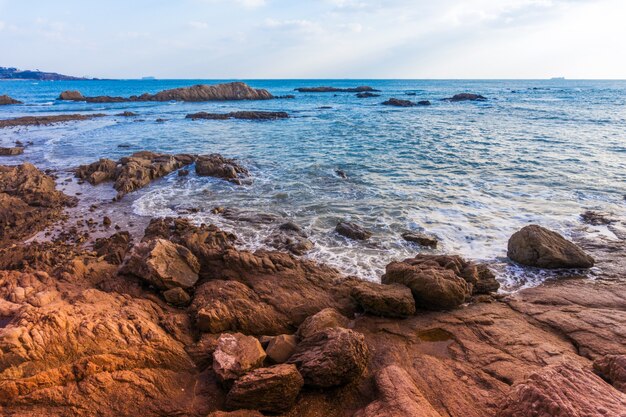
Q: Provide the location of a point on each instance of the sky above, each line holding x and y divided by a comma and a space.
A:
255, 39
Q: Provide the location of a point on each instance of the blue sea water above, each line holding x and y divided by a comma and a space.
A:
470, 173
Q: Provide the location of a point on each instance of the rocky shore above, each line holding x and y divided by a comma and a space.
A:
176, 319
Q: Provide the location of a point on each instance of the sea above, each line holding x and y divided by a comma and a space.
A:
469, 173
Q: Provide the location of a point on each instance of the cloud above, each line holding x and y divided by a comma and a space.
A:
301, 25
247, 4
2, 25
194, 24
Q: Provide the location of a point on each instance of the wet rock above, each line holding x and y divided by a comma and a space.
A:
113, 248
331, 357
341, 174
236, 355
486, 281
392, 300
11, 151
98, 172
397, 396
327, 318
563, 390
244, 115
273, 389
6, 100
352, 231
217, 166
412, 93
398, 103
539, 247
127, 114
183, 172
220, 306
361, 89
596, 218
281, 347
420, 238
177, 296
46, 120
423, 103
163, 264
106, 221
612, 368
290, 237
247, 216
291, 227
196, 93
466, 97
367, 94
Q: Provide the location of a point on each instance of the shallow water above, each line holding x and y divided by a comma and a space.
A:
470, 173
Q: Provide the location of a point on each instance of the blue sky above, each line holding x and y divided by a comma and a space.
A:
317, 38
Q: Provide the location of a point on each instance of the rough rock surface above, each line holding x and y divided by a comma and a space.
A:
16, 150
420, 238
563, 390
290, 237
163, 264
46, 120
466, 97
612, 368
113, 248
236, 355
331, 357
352, 231
5, 100
394, 300
244, 115
196, 93
215, 165
273, 389
327, 318
28, 202
537, 246
398, 103
281, 347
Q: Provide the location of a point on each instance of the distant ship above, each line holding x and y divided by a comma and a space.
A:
148, 78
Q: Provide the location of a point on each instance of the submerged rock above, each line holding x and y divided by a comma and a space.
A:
352, 231
273, 389
18, 150
360, 89
423, 103
466, 97
46, 120
420, 238
245, 115
236, 355
398, 103
6, 100
392, 300
127, 114
596, 218
539, 247
367, 94
215, 165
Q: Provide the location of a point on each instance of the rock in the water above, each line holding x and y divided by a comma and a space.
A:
420, 238
236, 355
176, 296
6, 100
596, 218
331, 357
244, 115
196, 93
290, 237
98, 172
327, 318
341, 173
466, 97
273, 389
539, 247
613, 369
367, 94
398, 396
398, 103
127, 114
563, 390
16, 150
423, 103
352, 231
113, 248
360, 89
217, 166
163, 264
46, 120
394, 300
281, 347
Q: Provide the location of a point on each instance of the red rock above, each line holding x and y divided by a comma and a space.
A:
394, 300
217, 166
176, 296
613, 369
281, 347
113, 248
46, 120
11, 151
564, 390
325, 319
273, 389
5, 100
236, 355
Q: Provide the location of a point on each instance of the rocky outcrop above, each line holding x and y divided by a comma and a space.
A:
243, 115
113, 248
133, 172
596, 218
281, 347
46, 120
272, 390
563, 390
420, 238
331, 357
360, 89
539, 247
236, 355
466, 97
6, 100
28, 202
352, 231
17, 150
398, 103
217, 166
394, 300
196, 93
163, 264
327, 318
423, 103
367, 94
612, 368
290, 237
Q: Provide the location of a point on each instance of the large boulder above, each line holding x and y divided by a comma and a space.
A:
236, 355
352, 231
217, 166
71, 95
281, 347
327, 318
273, 389
537, 246
331, 357
398, 103
563, 390
163, 264
394, 300
613, 369
398, 396
98, 172
466, 97
5, 100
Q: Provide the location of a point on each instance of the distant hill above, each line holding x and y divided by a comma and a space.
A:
7, 73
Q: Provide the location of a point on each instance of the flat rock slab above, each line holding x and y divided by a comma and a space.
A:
394, 300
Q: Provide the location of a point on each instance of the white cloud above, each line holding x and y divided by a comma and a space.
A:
194, 24
2, 25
